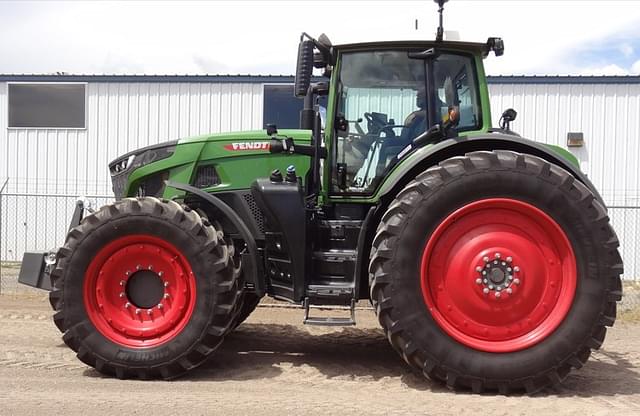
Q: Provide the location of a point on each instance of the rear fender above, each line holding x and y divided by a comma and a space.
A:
425, 157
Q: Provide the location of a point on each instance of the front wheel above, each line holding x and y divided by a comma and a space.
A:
144, 288
495, 271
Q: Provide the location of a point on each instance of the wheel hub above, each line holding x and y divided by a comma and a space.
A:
497, 276
144, 289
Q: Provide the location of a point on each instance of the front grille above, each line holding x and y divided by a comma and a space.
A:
206, 176
255, 211
119, 184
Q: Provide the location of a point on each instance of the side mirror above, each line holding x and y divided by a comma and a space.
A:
304, 68
507, 117
496, 45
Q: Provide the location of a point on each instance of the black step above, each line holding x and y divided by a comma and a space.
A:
329, 320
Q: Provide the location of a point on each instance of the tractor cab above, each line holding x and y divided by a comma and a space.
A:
385, 99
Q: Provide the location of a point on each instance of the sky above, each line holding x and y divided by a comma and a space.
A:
543, 37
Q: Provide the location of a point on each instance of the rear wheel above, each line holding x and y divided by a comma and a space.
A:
495, 271
144, 288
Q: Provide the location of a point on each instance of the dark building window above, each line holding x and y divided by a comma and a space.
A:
282, 108
47, 105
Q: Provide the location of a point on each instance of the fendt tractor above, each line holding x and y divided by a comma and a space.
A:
488, 258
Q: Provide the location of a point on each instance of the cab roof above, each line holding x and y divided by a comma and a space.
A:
472, 47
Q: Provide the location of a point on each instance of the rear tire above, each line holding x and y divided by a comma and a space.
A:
144, 289
432, 295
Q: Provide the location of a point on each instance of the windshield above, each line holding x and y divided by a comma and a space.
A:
382, 95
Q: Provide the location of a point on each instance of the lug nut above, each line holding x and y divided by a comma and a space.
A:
149, 311
122, 282
485, 281
127, 273
509, 259
485, 291
509, 290
166, 284
166, 296
509, 269
160, 306
503, 263
479, 269
499, 288
122, 294
137, 311
485, 259
150, 267
160, 274
510, 277
490, 287
497, 294
478, 281
484, 273
516, 281
127, 305
516, 269
498, 255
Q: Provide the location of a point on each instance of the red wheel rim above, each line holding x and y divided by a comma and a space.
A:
498, 275
107, 301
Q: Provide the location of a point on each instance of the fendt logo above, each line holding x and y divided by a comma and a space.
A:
248, 146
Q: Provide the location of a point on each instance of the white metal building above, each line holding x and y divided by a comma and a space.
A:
44, 168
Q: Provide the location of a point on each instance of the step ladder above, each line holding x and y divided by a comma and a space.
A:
329, 320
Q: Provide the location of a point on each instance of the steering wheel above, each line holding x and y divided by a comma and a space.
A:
378, 126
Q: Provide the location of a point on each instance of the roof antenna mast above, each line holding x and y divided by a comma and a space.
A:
440, 33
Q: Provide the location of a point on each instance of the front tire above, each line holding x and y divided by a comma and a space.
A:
248, 303
144, 288
495, 271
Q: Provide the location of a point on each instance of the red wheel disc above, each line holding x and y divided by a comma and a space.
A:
498, 275
108, 304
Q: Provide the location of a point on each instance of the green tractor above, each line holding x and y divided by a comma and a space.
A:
488, 258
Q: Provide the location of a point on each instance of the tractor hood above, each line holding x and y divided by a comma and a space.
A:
231, 161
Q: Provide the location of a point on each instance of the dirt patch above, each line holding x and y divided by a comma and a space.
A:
274, 365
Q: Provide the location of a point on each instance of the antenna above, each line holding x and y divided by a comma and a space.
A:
440, 33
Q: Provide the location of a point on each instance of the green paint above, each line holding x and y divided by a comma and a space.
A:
241, 157
237, 164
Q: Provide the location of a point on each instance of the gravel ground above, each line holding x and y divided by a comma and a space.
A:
274, 365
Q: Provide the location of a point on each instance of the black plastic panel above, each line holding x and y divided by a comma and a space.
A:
285, 236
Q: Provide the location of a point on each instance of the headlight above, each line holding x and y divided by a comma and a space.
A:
142, 157
121, 165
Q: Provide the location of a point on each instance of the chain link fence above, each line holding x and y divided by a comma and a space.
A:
40, 222
33, 223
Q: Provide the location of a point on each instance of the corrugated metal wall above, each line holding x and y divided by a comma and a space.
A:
126, 116
120, 117
607, 114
